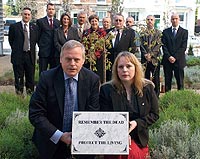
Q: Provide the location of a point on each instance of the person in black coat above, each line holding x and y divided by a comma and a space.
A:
63, 34
174, 41
48, 104
129, 91
46, 27
23, 57
125, 42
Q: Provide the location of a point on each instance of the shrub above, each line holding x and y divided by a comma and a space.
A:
173, 140
193, 61
192, 76
180, 105
9, 103
15, 137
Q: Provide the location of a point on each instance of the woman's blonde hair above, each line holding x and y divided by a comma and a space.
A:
138, 80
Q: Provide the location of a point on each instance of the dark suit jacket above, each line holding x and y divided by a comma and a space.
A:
175, 46
154, 46
46, 40
16, 40
111, 100
86, 26
60, 38
47, 104
126, 42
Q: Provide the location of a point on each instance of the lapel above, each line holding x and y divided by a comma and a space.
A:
61, 33
123, 36
31, 31
59, 86
141, 104
20, 27
170, 33
82, 88
118, 101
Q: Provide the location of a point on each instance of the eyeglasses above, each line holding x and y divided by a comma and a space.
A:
118, 20
150, 19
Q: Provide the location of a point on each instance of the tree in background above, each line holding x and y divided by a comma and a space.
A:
117, 7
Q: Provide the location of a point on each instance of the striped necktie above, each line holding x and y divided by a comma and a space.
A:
69, 105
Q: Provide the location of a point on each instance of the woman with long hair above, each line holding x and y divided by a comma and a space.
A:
129, 91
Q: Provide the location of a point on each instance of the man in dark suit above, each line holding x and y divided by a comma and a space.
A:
49, 104
150, 52
22, 37
174, 47
46, 27
123, 40
82, 24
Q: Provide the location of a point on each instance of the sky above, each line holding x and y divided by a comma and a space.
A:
4, 1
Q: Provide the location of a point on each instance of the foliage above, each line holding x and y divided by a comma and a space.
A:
193, 61
95, 45
9, 103
173, 139
15, 137
117, 7
190, 50
180, 105
154, 46
192, 76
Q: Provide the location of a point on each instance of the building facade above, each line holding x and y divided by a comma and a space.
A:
161, 9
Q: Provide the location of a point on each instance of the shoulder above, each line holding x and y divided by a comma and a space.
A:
90, 75
182, 29
42, 19
149, 85
72, 28
58, 29
107, 87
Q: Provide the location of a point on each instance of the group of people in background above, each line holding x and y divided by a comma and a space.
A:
129, 87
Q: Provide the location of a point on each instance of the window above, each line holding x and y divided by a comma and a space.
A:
101, 15
181, 15
101, 1
135, 15
76, 1
157, 21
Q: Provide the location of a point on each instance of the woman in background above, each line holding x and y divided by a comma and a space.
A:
129, 91
90, 40
63, 34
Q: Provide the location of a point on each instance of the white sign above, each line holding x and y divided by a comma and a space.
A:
100, 133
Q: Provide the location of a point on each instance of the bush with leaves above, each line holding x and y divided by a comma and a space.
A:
15, 137
9, 103
174, 140
180, 105
193, 61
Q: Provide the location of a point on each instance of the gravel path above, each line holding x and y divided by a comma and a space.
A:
5, 66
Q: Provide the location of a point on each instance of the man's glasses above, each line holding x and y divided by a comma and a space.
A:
118, 20
150, 19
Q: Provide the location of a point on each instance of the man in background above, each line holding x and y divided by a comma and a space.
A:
130, 24
46, 27
123, 40
174, 47
23, 37
82, 23
150, 52
106, 23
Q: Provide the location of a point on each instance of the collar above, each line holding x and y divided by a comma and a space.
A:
24, 23
79, 26
175, 27
66, 76
49, 18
